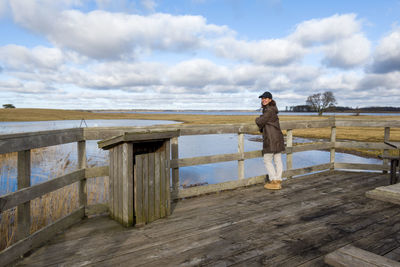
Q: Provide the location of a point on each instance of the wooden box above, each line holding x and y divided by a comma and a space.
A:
139, 190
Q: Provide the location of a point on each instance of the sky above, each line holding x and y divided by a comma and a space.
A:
197, 54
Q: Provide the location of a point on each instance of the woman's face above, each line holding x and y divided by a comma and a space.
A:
265, 101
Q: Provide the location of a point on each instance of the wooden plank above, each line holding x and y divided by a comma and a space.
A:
363, 145
358, 166
120, 184
110, 183
23, 181
138, 194
332, 151
175, 168
167, 178
129, 152
386, 138
13, 199
390, 193
253, 154
157, 185
82, 192
127, 181
151, 186
241, 154
353, 256
140, 135
12, 253
367, 123
116, 183
289, 145
308, 147
146, 187
163, 185
306, 170
25, 141
98, 171
205, 160
212, 188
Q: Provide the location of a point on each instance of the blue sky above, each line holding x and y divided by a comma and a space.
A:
197, 54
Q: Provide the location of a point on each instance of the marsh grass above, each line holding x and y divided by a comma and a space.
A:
52, 206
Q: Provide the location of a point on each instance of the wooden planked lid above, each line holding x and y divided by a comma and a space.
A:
138, 136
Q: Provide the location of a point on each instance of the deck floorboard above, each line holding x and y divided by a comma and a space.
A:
296, 226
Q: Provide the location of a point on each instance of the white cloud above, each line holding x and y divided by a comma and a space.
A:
271, 52
197, 73
104, 35
387, 53
347, 53
22, 58
326, 30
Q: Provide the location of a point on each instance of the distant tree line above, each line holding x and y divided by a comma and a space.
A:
306, 108
326, 102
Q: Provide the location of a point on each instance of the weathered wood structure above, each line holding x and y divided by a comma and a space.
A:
139, 176
24, 142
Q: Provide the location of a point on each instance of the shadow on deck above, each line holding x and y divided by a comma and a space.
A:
298, 225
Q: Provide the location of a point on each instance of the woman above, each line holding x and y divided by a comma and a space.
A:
273, 143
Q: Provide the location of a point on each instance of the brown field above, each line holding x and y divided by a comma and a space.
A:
348, 133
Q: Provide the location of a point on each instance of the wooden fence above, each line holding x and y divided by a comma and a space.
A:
23, 143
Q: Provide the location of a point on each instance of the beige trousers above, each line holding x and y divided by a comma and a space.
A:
274, 170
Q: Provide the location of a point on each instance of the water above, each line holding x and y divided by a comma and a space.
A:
52, 161
33, 126
242, 112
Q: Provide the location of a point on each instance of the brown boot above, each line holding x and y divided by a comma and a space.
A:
273, 185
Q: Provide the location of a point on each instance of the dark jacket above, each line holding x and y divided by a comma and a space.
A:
268, 123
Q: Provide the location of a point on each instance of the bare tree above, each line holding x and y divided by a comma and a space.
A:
320, 102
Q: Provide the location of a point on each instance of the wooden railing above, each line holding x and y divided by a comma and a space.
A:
23, 144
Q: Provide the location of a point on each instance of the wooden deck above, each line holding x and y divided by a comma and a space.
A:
296, 226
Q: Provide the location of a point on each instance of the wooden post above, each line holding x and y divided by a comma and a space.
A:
82, 165
24, 180
289, 156
241, 152
175, 171
333, 141
386, 138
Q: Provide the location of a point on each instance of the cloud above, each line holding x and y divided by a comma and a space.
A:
387, 54
270, 52
104, 35
39, 57
197, 73
348, 53
326, 30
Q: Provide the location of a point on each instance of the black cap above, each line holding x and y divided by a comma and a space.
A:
266, 94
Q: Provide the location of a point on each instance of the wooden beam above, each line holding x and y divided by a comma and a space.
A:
362, 145
24, 181
81, 146
13, 199
353, 256
390, 193
358, 166
97, 171
175, 168
289, 145
241, 155
332, 149
25, 141
306, 170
